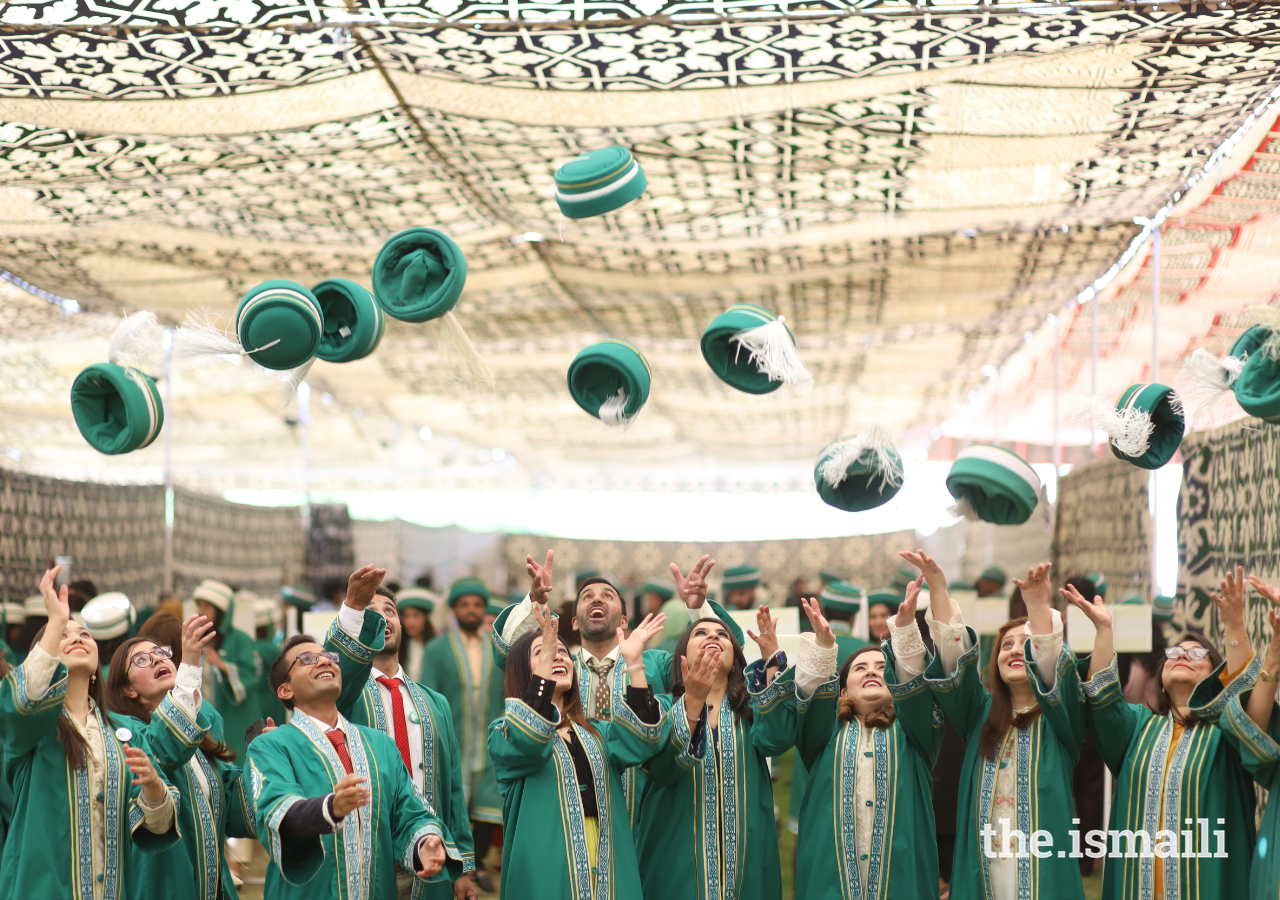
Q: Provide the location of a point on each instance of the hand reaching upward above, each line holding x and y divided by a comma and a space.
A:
693, 588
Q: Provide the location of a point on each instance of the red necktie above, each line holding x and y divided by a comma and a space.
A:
397, 719
339, 741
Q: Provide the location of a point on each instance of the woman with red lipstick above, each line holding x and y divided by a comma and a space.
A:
155, 695
1022, 737
1179, 779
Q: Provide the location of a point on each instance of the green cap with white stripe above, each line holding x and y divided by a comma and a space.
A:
598, 182
279, 325
993, 484
610, 380
1147, 427
842, 597
753, 350
117, 408
353, 320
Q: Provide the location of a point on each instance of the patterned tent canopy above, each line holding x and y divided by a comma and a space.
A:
913, 186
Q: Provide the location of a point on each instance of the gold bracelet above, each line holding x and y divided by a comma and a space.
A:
1270, 679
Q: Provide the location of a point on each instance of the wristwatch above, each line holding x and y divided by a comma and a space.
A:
779, 659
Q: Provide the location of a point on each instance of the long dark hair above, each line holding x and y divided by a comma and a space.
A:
1001, 716
520, 673
1215, 659
427, 634
736, 694
846, 709
73, 742
120, 702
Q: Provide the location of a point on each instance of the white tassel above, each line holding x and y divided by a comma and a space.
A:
1269, 318
462, 355
1207, 378
135, 339
613, 412
874, 440
772, 353
1130, 429
963, 509
200, 336
1175, 404
292, 379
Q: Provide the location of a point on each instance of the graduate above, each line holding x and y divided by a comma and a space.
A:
267, 614
1250, 719
567, 834
231, 665
415, 606
706, 828
378, 693
598, 614
1022, 739
459, 664
869, 743
336, 809
1173, 766
882, 605
84, 785
150, 693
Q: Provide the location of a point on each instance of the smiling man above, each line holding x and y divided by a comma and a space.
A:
336, 809
378, 693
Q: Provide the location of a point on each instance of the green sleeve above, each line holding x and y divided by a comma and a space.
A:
628, 741
411, 818
1112, 721
1063, 708
500, 647
356, 655
173, 735
677, 754
274, 793
916, 708
24, 723
144, 840
241, 822
243, 666
772, 725
962, 695
431, 657
657, 670
520, 743
455, 810
816, 720
1223, 706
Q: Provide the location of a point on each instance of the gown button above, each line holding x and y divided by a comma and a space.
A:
869, 803
863, 856
99, 876
101, 796
866, 753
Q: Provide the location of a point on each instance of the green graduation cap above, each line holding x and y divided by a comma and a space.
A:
1133, 598
751, 349
1162, 609
902, 578
582, 575
493, 608
117, 408
610, 380
993, 484
829, 575
108, 616
738, 577
279, 325
885, 597
298, 597
419, 274
860, 472
664, 589
464, 587
417, 598
598, 182
1145, 425
1099, 582
842, 597
994, 573
1257, 389
353, 320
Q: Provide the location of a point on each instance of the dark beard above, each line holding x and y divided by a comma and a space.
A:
392, 644
608, 629
470, 627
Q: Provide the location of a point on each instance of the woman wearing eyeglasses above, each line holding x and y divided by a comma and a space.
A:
153, 694
1181, 785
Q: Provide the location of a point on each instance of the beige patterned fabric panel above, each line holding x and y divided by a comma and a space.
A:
1103, 523
254, 548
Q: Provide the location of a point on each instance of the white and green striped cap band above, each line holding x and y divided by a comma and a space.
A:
214, 592
1011, 462
740, 577
108, 616
842, 596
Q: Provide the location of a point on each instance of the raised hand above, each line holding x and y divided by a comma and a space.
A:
362, 585
907, 609
698, 681
144, 774
693, 588
55, 602
543, 665
1266, 590
928, 567
540, 575
1096, 610
1230, 601
767, 639
431, 856
1036, 592
197, 631
631, 646
821, 627
351, 793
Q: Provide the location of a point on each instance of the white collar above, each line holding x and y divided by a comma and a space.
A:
321, 726
611, 656
400, 674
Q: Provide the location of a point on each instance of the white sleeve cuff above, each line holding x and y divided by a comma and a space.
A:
950, 640
325, 810
518, 620
38, 669
814, 665
186, 689
702, 612
1045, 651
157, 819
909, 651
351, 620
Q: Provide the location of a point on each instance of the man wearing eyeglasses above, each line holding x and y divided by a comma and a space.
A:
336, 809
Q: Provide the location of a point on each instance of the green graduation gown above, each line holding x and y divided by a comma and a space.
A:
297, 761
1206, 780
657, 671
235, 695
846, 644
49, 850
446, 670
196, 867
441, 759
1045, 755
903, 857
1260, 754
707, 829
269, 705
544, 856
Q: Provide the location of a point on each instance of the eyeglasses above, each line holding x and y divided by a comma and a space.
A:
1196, 653
147, 659
311, 657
